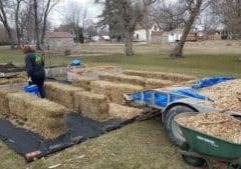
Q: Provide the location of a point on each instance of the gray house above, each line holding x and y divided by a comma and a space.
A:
59, 40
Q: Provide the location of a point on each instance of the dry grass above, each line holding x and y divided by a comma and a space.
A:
124, 112
113, 91
91, 105
61, 93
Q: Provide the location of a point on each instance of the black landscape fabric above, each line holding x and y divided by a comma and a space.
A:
79, 129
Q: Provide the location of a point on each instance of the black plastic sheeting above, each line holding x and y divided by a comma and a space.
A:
31, 145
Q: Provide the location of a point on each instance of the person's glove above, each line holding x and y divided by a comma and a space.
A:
30, 81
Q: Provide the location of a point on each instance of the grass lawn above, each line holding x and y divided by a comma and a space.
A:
141, 145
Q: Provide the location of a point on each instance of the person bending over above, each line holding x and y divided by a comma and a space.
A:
35, 68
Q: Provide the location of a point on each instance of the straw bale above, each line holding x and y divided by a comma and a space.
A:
18, 104
94, 106
46, 118
215, 124
120, 78
83, 82
113, 91
156, 83
226, 95
160, 75
61, 93
4, 106
124, 112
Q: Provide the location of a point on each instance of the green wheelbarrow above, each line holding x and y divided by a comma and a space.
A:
203, 148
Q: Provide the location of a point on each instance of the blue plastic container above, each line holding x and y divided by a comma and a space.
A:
32, 89
75, 62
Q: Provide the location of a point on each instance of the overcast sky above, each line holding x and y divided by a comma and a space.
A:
93, 10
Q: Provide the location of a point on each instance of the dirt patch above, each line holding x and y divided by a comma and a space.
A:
10, 68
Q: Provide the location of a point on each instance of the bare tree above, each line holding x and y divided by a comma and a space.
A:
4, 5
193, 8
128, 13
42, 9
229, 12
17, 22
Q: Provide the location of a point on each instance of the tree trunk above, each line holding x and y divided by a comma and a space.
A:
148, 36
36, 22
178, 51
46, 12
128, 44
18, 33
4, 20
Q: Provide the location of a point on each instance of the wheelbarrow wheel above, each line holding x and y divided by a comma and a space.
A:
194, 161
172, 129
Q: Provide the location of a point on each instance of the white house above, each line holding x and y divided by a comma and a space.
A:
175, 35
142, 35
59, 39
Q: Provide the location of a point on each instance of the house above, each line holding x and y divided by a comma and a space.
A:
59, 40
159, 37
176, 35
142, 34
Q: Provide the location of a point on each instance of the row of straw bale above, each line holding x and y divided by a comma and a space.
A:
38, 115
113, 91
94, 106
147, 83
160, 75
83, 82
62, 93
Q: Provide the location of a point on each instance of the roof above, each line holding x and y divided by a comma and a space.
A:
158, 33
59, 35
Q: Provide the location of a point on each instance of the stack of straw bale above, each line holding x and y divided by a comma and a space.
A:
113, 91
61, 93
160, 75
226, 95
4, 103
120, 78
94, 106
41, 116
83, 82
215, 124
156, 83
19, 104
124, 112
46, 118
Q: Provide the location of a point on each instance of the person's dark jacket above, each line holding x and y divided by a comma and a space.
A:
34, 64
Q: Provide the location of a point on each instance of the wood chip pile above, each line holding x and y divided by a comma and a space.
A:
61, 93
83, 82
160, 75
215, 124
124, 112
113, 91
41, 116
94, 106
226, 95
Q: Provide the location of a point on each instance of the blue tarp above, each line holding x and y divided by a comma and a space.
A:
161, 99
210, 81
75, 62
